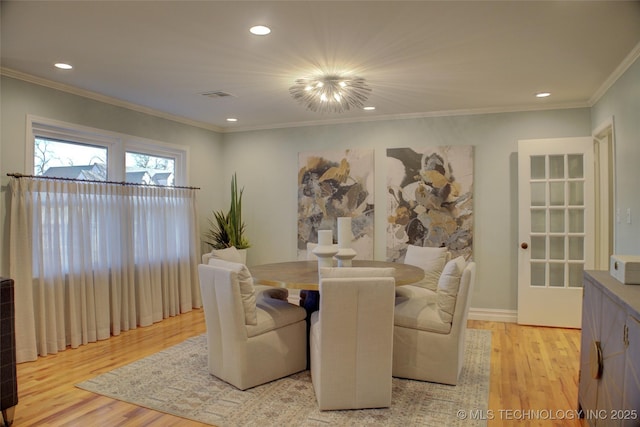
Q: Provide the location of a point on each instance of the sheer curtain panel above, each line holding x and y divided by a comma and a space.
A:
90, 260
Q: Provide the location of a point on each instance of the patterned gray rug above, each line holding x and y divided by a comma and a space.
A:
176, 381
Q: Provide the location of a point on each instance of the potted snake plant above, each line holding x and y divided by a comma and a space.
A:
226, 228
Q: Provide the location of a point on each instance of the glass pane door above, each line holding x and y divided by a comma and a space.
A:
555, 228
557, 210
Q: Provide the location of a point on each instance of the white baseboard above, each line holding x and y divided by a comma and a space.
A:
493, 315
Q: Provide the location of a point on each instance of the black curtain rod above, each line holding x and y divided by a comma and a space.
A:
19, 175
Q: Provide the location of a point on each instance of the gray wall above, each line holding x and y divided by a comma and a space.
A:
622, 102
267, 162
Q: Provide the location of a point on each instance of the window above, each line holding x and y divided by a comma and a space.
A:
63, 159
141, 167
105, 256
64, 150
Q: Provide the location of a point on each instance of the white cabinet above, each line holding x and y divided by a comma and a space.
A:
609, 391
631, 399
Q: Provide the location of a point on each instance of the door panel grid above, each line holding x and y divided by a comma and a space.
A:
557, 220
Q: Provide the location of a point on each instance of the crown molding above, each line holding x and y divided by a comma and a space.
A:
619, 71
444, 113
106, 99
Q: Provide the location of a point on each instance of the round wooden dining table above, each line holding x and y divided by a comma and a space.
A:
304, 274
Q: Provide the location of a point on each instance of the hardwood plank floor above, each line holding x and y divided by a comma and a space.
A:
534, 375
47, 395
532, 369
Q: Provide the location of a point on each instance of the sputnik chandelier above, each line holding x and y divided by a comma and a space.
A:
330, 93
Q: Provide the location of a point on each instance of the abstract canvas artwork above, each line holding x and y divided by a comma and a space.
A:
334, 184
430, 199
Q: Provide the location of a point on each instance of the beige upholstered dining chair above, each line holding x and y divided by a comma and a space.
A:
431, 260
429, 330
252, 337
351, 338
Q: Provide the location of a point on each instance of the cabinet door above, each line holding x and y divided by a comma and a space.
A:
591, 314
632, 375
610, 385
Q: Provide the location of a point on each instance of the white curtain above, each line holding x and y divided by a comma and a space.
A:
90, 260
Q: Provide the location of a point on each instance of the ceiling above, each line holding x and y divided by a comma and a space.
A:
421, 58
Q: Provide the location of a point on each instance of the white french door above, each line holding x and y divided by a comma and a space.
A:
556, 229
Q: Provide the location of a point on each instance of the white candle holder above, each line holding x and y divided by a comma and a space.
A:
325, 249
344, 257
345, 236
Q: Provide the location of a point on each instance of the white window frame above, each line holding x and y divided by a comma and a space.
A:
160, 149
117, 144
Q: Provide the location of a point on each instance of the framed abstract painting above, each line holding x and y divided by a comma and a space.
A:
430, 199
335, 184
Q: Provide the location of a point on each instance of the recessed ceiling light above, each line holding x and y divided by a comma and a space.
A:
260, 30
232, 119
543, 94
369, 108
63, 66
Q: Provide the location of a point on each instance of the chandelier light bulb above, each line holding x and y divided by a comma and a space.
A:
330, 93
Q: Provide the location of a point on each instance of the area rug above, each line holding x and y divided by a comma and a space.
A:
176, 381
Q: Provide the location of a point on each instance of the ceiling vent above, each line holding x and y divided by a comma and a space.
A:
217, 94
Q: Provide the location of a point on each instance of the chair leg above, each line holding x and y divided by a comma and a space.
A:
7, 415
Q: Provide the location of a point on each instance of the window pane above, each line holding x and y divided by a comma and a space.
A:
538, 247
538, 221
556, 218
556, 167
576, 248
538, 274
576, 220
538, 197
537, 167
575, 275
146, 169
556, 275
556, 247
575, 166
556, 193
576, 193
64, 159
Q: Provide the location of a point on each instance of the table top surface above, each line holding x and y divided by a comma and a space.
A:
304, 274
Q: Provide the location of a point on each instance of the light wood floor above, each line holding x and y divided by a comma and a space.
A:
532, 369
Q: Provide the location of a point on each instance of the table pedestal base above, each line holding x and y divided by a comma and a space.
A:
310, 301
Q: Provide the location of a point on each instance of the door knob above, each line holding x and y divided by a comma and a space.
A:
524, 245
